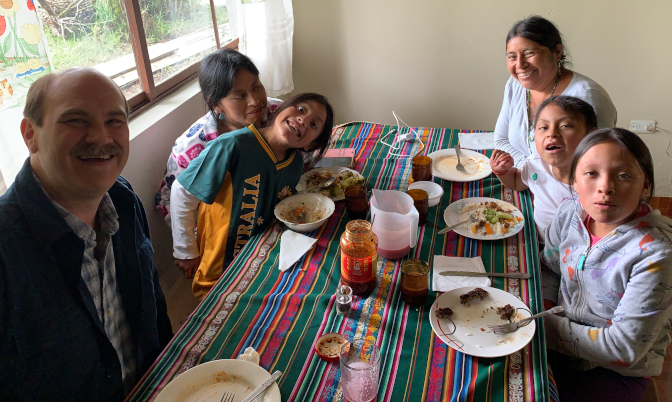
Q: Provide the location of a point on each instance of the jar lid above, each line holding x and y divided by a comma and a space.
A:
344, 290
328, 346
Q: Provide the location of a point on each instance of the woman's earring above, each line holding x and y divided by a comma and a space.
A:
559, 69
221, 116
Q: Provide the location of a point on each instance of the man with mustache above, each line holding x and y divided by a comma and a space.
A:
82, 316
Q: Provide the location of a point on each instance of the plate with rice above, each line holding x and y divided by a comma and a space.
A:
495, 219
344, 177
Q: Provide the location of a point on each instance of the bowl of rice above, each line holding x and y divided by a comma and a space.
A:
304, 212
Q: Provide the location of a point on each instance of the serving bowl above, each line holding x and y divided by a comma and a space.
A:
434, 191
312, 202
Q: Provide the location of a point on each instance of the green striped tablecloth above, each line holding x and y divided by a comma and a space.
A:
282, 314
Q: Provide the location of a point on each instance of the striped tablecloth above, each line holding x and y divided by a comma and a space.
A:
282, 314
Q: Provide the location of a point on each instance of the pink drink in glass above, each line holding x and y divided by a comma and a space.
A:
360, 364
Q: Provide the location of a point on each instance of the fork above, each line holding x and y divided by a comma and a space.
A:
513, 326
471, 219
227, 397
459, 167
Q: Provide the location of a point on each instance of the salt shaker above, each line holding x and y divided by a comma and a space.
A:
343, 300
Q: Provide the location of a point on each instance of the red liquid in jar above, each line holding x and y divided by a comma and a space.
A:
393, 254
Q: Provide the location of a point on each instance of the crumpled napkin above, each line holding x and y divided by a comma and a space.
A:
292, 247
477, 140
442, 263
249, 355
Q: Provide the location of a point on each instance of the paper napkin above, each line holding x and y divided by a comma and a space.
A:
442, 263
477, 140
292, 247
249, 355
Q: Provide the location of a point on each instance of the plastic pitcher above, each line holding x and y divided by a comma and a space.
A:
395, 222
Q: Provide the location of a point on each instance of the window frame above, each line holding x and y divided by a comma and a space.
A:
152, 93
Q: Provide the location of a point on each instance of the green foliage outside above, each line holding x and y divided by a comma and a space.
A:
108, 35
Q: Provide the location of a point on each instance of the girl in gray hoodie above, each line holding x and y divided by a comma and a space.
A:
608, 262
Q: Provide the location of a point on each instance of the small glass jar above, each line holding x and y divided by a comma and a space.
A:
343, 300
359, 257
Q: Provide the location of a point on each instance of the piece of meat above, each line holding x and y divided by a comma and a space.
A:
506, 312
445, 312
476, 293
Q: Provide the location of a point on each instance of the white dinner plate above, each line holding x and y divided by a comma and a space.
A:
452, 216
472, 335
207, 382
335, 170
444, 164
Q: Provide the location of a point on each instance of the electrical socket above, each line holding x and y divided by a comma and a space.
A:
643, 126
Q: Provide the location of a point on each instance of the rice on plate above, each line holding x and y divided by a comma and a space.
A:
491, 218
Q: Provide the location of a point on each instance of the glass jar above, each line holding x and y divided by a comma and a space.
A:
359, 257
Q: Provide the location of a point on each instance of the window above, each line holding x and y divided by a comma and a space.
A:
148, 47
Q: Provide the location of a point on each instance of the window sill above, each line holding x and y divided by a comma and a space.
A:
163, 108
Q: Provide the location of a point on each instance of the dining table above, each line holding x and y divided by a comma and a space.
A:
282, 314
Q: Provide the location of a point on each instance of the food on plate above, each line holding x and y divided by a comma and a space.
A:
506, 312
329, 345
343, 180
302, 213
473, 294
473, 164
491, 218
444, 312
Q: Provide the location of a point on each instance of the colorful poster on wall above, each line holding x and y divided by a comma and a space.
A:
23, 59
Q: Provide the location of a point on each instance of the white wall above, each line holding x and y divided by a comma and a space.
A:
440, 63
152, 136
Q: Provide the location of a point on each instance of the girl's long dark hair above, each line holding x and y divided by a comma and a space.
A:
322, 141
628, 141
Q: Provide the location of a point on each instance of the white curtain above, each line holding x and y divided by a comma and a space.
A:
265, 29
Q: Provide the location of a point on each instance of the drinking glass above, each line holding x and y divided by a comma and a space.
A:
421, 168
356, 202
421, 202
414, 281
360, 367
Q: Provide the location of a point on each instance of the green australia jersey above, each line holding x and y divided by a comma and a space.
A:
239, 181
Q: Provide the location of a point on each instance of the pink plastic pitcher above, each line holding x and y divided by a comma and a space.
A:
395, 222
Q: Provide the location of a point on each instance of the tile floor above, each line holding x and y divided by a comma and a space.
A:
181, 303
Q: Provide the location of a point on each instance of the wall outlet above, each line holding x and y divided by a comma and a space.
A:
643, 126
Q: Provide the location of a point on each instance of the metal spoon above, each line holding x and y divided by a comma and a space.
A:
471, 219
324, 184
460, 167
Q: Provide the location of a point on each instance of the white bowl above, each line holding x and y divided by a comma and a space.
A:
434, 191
313, 202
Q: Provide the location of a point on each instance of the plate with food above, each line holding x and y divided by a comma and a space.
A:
444, 165
304, 212
209, 381
344, 177
493, 219
460, 318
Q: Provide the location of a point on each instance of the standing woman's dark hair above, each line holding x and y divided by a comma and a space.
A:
628, 141
539, 30
322, 142
217, 73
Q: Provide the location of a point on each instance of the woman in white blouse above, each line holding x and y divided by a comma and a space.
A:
536, 59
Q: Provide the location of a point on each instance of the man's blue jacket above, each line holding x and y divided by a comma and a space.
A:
52, 344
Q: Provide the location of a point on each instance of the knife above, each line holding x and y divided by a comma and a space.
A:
262, 387
517, 275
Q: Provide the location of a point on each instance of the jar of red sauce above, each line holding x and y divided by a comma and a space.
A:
359, 257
